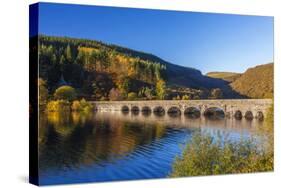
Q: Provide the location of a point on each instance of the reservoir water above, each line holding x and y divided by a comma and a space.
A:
113, 146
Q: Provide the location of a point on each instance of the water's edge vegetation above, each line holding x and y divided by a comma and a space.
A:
209, 155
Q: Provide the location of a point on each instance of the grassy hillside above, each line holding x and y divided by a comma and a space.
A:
256, 82
227, 76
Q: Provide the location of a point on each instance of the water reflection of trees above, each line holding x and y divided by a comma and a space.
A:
63, 141
69, 140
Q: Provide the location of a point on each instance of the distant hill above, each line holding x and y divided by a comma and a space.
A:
227, 76
256, 82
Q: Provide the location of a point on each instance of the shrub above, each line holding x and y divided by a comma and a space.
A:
75, 106
81, 106
132, 96
58, 105
185, 97
206, 156
65, 93
85, 106
177, 97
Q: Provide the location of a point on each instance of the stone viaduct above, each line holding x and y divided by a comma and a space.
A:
239, 108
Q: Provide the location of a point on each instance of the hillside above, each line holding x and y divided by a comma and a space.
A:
99, 71
176, 75
256, 82
96, 69
227, 76
93, 68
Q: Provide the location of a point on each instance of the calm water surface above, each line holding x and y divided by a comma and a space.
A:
108, 146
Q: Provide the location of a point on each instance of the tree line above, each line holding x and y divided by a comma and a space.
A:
97, 71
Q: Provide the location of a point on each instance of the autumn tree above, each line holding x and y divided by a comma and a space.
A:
68, 53
146, 92
92, 63
132, 96
104, 60
161, 89
123, 84
65, 93
185, 97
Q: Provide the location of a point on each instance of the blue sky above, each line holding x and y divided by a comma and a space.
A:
208, 42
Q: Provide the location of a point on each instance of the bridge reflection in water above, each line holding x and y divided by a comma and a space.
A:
183, 121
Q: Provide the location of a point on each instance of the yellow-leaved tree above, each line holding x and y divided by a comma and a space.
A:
161, 89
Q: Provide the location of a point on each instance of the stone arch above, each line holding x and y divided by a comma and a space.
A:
146, 110
135, 110
238, 115
260, 116
174, 111
125, 108
249, 115
192, 112
214, 113
159, 110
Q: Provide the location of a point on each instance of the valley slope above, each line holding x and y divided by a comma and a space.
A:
256, 82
